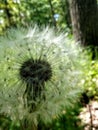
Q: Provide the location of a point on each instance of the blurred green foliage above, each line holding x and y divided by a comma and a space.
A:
91, 80
12, 13
23, 12
7, 124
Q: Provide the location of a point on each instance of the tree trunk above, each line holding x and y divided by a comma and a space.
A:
84, 16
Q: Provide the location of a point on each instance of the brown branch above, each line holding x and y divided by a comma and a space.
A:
91, 118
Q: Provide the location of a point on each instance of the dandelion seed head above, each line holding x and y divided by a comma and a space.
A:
38, 70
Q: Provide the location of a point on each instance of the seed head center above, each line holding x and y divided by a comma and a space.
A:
35, 71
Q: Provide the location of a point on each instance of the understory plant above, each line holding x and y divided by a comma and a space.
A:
40, 72
90, 82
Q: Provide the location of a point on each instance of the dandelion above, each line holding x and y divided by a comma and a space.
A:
39, 73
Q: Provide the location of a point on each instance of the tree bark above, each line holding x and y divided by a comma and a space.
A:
84, 17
